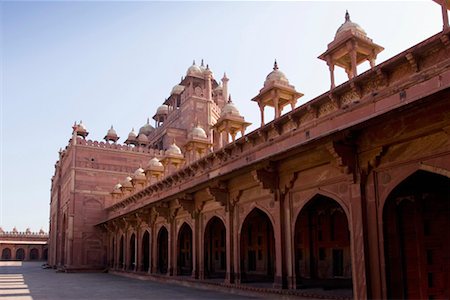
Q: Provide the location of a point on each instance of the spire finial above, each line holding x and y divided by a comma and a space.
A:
207, 66
347, 16
229, 99
202, 64
193, 62
275, 65
148, 121
112, 127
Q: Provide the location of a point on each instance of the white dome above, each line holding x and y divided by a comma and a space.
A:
194, 70
173, 150
117, 186
154, 162
276, 76
139, 171
349, 25
132, 135
162, 110
229, 108
176, 90
81, 126
199, 132
111, 132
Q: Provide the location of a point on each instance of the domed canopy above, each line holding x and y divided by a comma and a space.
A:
199, 132
111, 135
276, 76
194, 70
126, 184
81, 127
132, 135
142, 138
147, 129
111, 132
162, 110
154, 162
173, 150
230, 109
117, 186
176, 90
349, 25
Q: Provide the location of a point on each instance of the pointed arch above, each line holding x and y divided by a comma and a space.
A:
184, 246
257, 247
145, 260
6, 254
215, 248
132, 252
163, 250
415, 245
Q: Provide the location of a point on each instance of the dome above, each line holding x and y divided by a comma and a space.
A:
162, 110
139, 171
81, 126
147, 129
199, 132
142, 138
173, 150
349, 25
111, 132
117, 186
194, 70
132, 135
127, 183
229, 108
276, 76
176, 90
154, 162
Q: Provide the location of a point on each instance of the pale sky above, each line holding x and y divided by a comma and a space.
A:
113, 63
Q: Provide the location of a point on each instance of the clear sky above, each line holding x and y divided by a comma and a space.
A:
115, 63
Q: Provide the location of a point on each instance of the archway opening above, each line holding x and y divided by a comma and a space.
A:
416, 235
215, 251
132, 260
6, 254
146, 252
121, 248
257, 246
20, 254
45, 254
322, 246
34, 254
163, 250
185, 250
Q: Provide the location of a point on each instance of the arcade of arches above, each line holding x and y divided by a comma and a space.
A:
10, 252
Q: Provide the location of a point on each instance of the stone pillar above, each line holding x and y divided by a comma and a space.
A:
331, 67
261, 109
236, 259
279, 255
444, 14
225, 87
137, 251
355, 222
154, 251
288, 226
195, 244
172, 245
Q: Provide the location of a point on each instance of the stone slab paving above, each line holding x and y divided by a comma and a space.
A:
28, 281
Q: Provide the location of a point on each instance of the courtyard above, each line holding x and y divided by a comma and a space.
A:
27, 280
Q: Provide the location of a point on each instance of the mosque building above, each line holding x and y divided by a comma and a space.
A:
347, 193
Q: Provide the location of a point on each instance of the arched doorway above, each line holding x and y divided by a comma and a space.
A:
163, 250
185, 250
416, 220
146, 251
6, 254
34, 254
20, 254
322, 245
121, 246
215, 251
132, 261
257, 248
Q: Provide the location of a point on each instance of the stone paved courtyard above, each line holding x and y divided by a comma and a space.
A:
28, 281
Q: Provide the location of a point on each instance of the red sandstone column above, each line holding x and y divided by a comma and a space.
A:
236, 255
154, 247
230, 232
288, 241
278, 280
172, 260
195, 244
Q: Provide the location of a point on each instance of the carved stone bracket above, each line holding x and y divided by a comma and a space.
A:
187, 202
371, 159
412, 61
219, 192
267, 177
445, 40
344, 156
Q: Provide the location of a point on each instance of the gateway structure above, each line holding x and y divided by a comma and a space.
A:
350, 190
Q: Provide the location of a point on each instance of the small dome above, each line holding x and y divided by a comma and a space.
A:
349, 25
139, 171
117, 186
147, 129
154, 162
162, 110
127, 182
276, 76
132, 135
41, 231
111, 132
173, 150
199, 132
176, 90
194, 70
81, 127
142, 138
229, 108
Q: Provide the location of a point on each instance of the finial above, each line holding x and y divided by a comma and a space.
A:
229, 99
207, 66
182, 78
148, 121
275, 65
347, 16
193, 62
112, 127
202, 63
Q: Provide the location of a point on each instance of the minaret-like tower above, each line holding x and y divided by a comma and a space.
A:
351, 46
